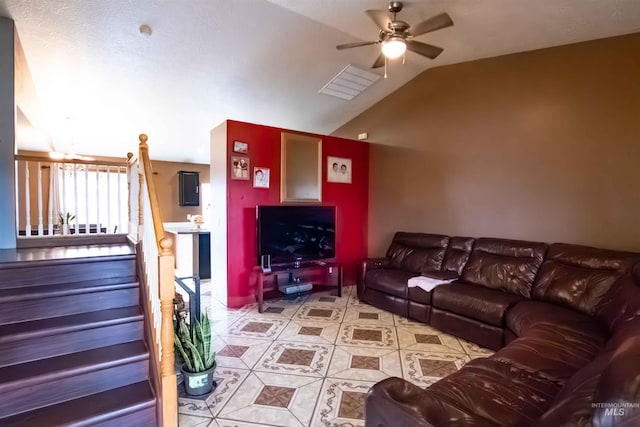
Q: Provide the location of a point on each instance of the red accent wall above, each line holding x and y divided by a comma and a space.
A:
351, 201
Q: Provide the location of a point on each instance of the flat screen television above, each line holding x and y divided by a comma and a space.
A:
292, 234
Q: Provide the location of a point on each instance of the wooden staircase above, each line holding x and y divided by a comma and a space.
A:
72, 347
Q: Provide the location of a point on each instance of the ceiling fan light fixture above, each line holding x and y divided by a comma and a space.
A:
394, 47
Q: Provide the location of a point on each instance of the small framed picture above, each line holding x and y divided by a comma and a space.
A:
240, 147
338, 170
240, 168
260, 177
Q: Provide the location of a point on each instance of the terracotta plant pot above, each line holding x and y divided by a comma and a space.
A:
200, 383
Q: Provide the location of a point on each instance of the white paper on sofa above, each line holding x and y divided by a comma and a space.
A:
427, 283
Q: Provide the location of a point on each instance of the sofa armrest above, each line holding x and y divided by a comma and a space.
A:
394, 402
369, 264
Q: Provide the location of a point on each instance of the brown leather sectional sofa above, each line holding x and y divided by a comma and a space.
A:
565, 320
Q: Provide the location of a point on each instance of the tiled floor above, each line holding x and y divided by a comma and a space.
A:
310, 362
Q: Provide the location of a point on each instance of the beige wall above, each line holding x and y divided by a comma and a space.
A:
542, 145
166, 178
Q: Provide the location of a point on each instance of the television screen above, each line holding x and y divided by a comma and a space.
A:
296, 233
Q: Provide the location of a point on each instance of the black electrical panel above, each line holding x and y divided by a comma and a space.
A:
189, 188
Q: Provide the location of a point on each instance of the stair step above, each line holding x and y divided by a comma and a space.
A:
53, 271
40, 302
132, 405
60, 289
31, 385
36, 339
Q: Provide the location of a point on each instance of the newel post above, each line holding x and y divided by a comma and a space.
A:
166, 263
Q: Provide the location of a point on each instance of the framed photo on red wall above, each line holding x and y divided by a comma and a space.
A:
260, 177
240, 168
240, 147
338, 170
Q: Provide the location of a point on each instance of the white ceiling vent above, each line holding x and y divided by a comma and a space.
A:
349, 83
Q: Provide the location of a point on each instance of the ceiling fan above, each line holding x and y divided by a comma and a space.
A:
396, 37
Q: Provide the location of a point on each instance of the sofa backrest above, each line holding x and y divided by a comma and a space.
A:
417, 252
457, 254
579, 276
609, 379
621, 303
506, 265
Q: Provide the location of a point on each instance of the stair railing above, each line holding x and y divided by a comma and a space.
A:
157, 276
69, 197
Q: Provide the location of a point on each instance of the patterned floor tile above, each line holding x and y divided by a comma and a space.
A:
227, 380
341, 403
367, 335
220, 422
193, 421
403, 321
274, 399
361, 363
296, 358
425, 338
256, 327
318, 312
310, 331
330, 297
276, 309
355, 302
425, 368
474, 350
367, 314
236, 352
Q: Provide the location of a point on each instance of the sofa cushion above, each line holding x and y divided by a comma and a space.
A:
476, 302
419, 295
551, 350
621, 303
500, 393
607, 378
389, 281
417, 252
620, 380
527, 315
579, 276
457, 254
506, 265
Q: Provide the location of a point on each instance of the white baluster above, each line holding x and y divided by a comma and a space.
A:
86, 199
40, 224
108, 199
75, 198
64, 225
27, 200
119, 204
53, 169
98, 230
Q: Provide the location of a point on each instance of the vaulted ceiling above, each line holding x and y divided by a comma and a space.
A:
100, 81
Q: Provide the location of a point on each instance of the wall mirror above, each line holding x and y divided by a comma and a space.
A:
301, 169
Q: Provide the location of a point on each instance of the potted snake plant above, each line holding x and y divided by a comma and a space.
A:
194, 346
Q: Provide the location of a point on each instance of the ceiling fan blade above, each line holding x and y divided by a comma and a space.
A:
379, 61
380, 18
424, 49
435, 23
357, 44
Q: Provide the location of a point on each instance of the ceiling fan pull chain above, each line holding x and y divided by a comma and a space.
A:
404, 57
385, 67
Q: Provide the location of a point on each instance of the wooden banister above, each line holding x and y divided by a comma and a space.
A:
158, 225
159, 261
46, 159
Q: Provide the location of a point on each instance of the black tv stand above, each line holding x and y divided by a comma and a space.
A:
330, 269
